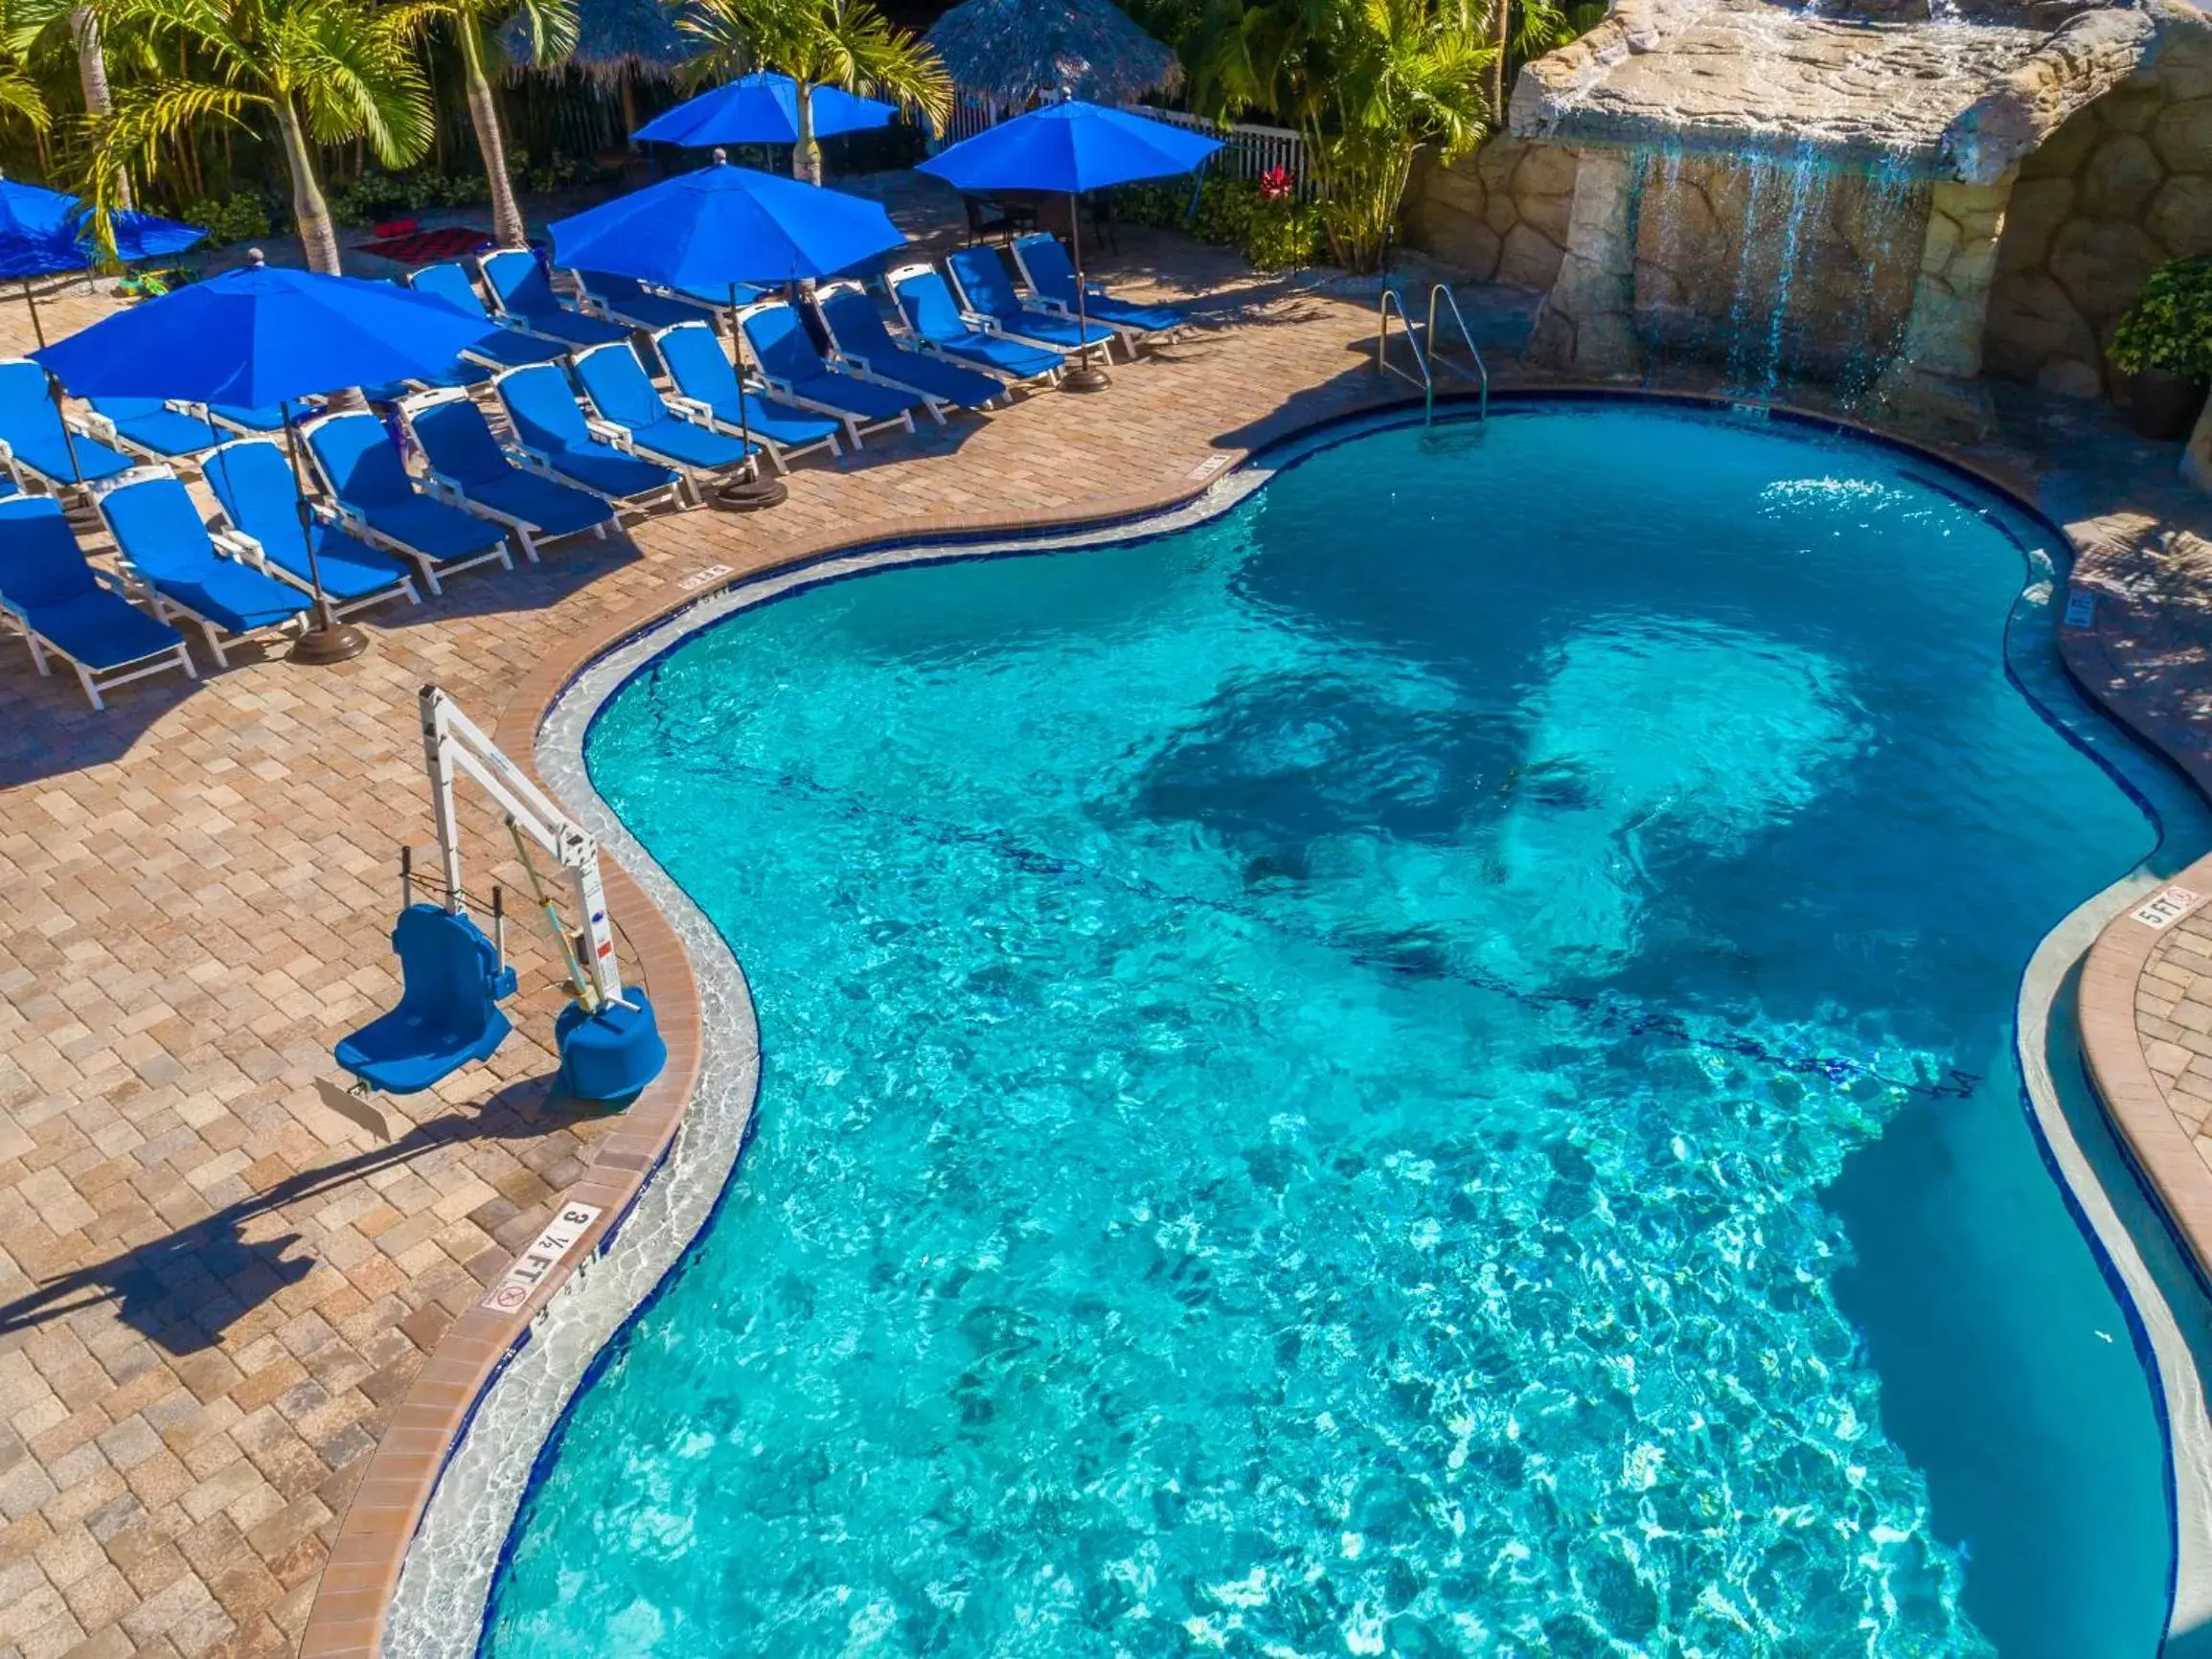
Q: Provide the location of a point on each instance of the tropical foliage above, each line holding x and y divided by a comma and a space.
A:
1366, 83
480, 29
2170, 325
322, 72
844, 43
1274, 231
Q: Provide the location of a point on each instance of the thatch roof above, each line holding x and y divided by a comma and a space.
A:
1011, 51
614, 35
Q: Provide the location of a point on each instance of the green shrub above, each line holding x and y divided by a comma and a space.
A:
242, 218
2170, 325
1231, 212
375, 197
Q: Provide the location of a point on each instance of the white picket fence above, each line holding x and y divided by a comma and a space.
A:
1251, 152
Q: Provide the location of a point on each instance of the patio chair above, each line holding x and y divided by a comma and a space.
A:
187, 570
149, 427
794, 370
526, 300
925, 302
708, 381
451, 983
542, 405
469, 466
861, 343
1050, 275
65, 608
254, 486
627, 400
987, 296
626, 300
502, 347
34, 444
377, 502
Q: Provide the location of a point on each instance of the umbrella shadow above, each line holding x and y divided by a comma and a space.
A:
184, 1290
55, 729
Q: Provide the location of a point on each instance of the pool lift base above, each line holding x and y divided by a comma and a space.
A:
609, 1043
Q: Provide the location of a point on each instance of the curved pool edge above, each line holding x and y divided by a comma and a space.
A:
490, 1407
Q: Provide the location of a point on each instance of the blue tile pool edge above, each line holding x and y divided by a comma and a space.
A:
441, 1607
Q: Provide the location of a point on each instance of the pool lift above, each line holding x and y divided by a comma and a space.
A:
455, 977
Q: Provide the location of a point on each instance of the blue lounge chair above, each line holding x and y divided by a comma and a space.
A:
67, 609
186, 571
626, 300
501, 347
148, 426
37, 446
449, 1015
708, 381
924, 300
1050, 274
469, 466
526, 300
552, 430
378, 502
856, 333
795, 371
260, 504
988, 295
251, 421
627, 400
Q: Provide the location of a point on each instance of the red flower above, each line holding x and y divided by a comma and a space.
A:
1275, 184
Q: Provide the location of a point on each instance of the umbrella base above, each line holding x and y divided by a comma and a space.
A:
750, 495
331, 643
1085, 378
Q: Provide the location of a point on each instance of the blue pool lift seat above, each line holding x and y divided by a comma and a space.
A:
448, 1013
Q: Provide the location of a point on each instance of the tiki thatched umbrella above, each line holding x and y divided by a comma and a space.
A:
1014, 52
625, 41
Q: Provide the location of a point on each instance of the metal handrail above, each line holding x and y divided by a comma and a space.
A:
1482, 369
1390, 302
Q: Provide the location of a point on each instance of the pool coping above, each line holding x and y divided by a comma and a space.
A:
352, 1608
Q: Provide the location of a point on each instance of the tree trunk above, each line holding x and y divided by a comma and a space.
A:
507, 226
626, 77
310, 212
806, 155
1497, 67
92, 76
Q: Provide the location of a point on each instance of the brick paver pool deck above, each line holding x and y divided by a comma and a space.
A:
214, 1292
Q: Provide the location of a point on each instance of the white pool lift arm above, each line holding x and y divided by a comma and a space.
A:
453, 743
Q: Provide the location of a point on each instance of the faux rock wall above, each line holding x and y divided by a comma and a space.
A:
2122, 187
1774, 264
1500, 214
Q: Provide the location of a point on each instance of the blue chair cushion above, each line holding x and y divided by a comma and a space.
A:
103, 630
433, 529
448, 1011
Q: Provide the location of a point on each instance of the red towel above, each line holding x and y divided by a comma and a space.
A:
425, 247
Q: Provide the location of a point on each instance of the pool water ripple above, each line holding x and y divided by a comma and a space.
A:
1422, 1068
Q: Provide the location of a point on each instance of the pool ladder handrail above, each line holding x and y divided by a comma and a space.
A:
1393, 300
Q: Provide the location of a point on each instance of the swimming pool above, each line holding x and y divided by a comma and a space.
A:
1422, 1067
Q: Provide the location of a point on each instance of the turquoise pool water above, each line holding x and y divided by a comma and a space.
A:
1422, 1068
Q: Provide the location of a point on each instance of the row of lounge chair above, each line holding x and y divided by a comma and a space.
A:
592, 438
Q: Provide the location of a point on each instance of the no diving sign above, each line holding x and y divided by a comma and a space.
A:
544, 1253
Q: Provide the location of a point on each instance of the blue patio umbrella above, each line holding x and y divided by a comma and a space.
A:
722, 225
262, 336
44, 233
762, 108
1068, 149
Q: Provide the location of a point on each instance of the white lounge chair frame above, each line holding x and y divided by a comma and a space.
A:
921, 268
855, 424
679, 494
167, 607
249, 546
97, 680
429, 566
696, 476
990, 324
780, 455
529, 537
856, 364
1130, 336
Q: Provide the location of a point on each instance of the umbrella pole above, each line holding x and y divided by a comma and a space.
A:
53, 389
1086, 376
37, 329
328, 640
751, 492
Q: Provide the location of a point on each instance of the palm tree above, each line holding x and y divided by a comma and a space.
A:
845, 43
482, 29
326, 70
92, 75
1366, 83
